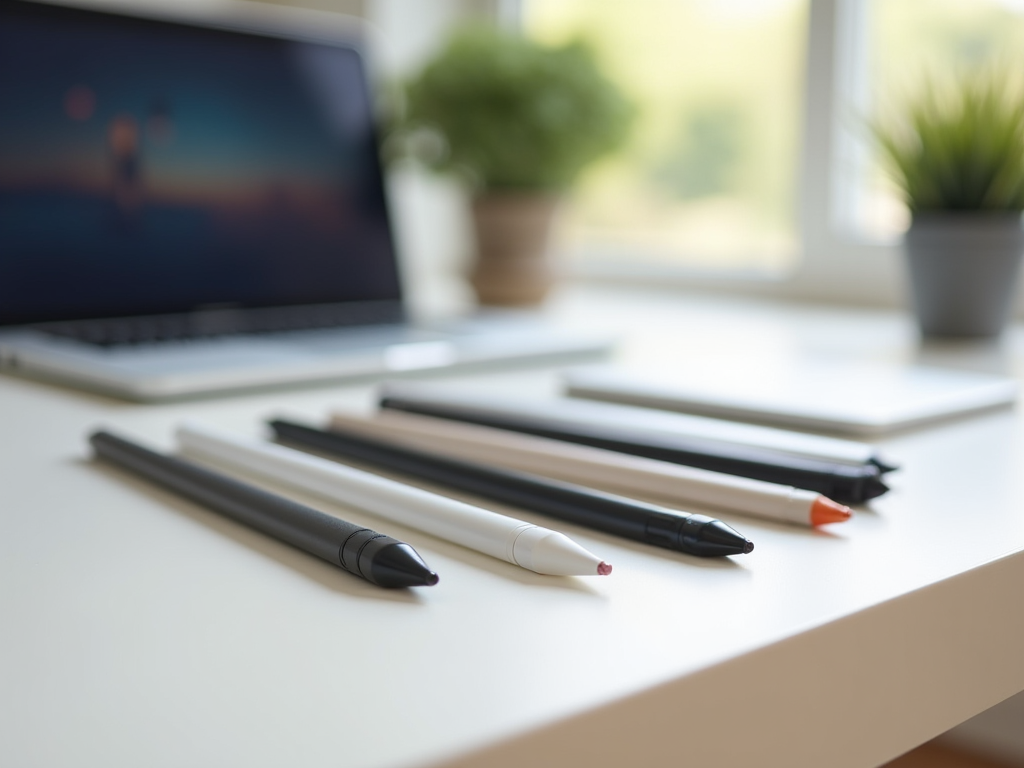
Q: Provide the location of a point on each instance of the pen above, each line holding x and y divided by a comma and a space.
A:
694, 534
598, 468
839, 481
518, 542
379, 559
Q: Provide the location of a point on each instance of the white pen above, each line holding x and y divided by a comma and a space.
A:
506, 538
600, 468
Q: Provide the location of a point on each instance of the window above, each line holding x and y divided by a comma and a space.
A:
749, 170
847, 58
708, 178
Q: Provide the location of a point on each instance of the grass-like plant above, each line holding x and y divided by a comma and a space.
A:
959, 148
513, 114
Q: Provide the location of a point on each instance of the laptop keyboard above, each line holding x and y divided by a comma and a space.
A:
119, 332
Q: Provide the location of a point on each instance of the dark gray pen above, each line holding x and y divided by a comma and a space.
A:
379, 559
694, 534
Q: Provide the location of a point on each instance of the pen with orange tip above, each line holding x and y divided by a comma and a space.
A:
601, 468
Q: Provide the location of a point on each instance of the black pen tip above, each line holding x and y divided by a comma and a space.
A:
399, 565
716, 539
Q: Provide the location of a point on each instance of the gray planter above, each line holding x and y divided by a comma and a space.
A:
963, 271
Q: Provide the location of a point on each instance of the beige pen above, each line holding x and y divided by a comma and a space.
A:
600, 468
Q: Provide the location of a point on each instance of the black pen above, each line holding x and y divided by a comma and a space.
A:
847, 483
379, 559
694, 534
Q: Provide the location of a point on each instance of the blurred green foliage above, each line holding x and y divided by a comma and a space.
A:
705, 153
959, 147
512, 114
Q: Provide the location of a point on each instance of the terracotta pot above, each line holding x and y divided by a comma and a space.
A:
963, 271
513, 265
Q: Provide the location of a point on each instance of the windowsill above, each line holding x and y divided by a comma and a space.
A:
653, 272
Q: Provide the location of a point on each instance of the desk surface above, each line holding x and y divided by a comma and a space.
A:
139, 629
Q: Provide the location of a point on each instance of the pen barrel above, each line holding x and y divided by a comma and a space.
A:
339, 542
505, 487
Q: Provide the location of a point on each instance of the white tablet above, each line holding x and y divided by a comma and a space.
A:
856, 399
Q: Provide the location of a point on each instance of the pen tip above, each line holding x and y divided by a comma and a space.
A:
603, 568
399, 565
718, 539
824, 510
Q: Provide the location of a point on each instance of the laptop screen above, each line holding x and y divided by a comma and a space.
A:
150, 167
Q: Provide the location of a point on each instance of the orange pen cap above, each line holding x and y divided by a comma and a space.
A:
824, 510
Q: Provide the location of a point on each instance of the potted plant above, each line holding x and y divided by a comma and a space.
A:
958, 158
518, 121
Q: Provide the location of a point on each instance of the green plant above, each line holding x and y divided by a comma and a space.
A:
960, 148
515, 115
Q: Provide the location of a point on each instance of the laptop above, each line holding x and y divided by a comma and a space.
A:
196, 206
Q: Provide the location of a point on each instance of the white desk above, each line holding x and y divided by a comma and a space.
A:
138, 629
